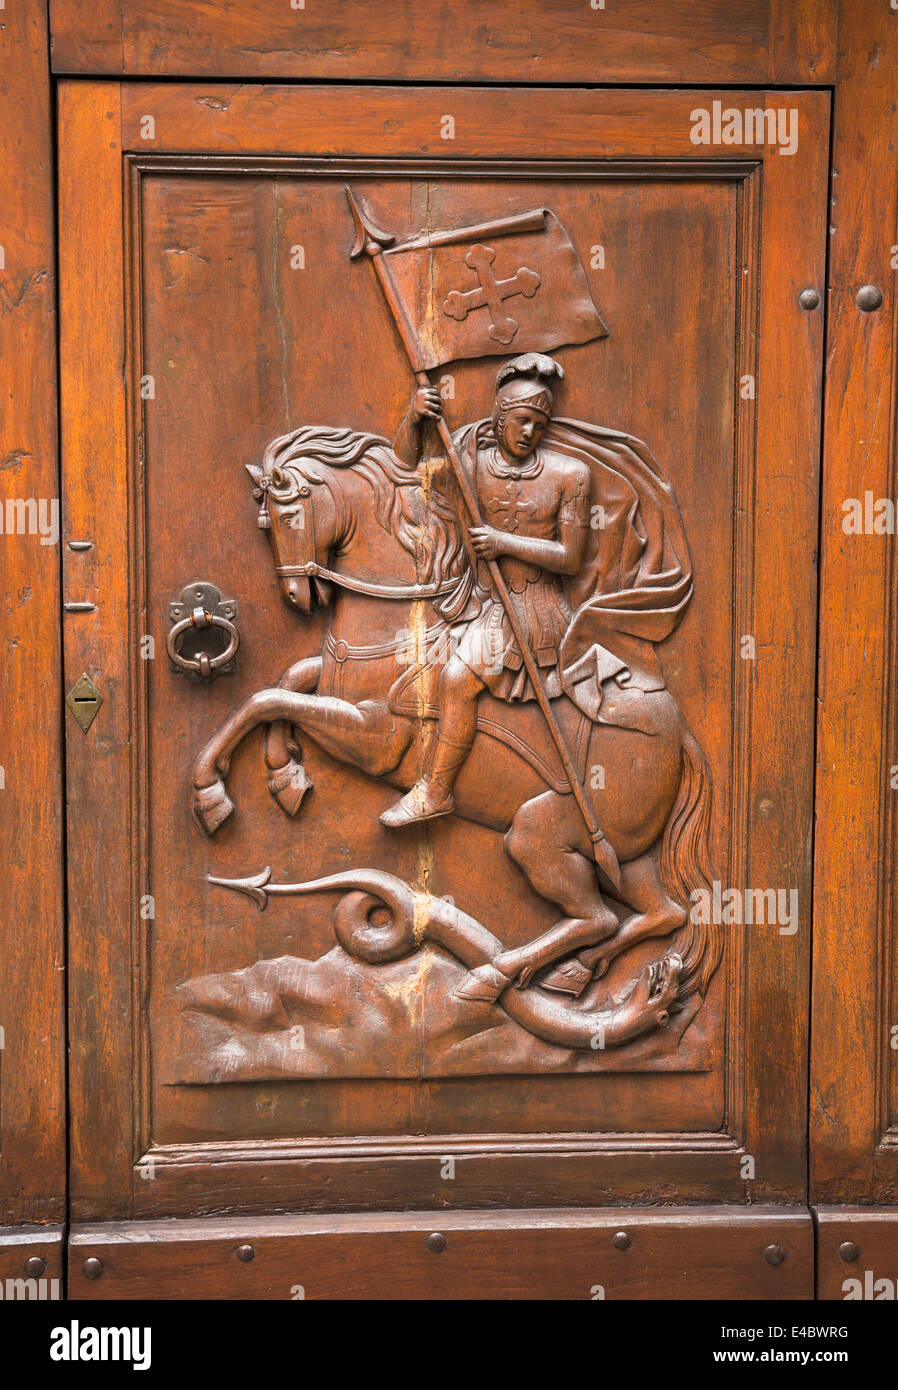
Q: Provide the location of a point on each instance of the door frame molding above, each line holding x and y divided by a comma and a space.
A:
854, 1153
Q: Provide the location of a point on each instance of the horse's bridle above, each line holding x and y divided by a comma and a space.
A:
310, 569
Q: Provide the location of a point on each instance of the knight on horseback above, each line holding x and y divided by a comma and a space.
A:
539, 502
373, 533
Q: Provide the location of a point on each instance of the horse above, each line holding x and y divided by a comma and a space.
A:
377, 542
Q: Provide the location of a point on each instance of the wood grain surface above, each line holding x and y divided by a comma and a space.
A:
676, 43
707, 1253
32, 952
855, 1001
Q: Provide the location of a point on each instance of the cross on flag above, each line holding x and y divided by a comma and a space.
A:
512, 285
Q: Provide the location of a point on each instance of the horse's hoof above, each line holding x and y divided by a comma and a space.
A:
212, 806
483, 985
568, 978
288, 785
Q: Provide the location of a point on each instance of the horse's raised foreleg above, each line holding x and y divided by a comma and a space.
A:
287, 778
368, 736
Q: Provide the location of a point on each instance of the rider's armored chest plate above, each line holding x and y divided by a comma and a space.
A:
525, 500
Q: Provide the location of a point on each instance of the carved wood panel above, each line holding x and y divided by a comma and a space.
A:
432, 1014
458, 847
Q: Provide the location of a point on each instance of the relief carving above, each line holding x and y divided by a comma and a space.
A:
496, 595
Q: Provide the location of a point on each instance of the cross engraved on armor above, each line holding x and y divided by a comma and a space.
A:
511, 508
491, 294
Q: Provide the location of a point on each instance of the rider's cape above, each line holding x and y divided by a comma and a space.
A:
636, 580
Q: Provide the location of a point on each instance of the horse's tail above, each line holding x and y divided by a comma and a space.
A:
685, 866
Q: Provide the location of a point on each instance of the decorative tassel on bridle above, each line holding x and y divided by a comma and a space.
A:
263, 520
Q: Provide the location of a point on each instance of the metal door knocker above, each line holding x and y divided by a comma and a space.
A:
195, 614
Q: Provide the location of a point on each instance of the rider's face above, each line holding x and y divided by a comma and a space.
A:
524, 428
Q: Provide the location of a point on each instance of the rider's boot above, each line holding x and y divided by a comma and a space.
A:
432, 795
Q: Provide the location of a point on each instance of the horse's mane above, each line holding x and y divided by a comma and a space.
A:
408, 505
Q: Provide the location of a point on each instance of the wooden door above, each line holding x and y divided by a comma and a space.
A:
588, 986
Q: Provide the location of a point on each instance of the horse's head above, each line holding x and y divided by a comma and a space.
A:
309, 513
302, 517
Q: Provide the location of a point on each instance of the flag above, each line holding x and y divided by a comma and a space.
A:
510, 286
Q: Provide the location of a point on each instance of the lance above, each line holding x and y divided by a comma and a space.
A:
370, 241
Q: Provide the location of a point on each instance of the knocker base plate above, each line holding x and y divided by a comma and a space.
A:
211, 639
